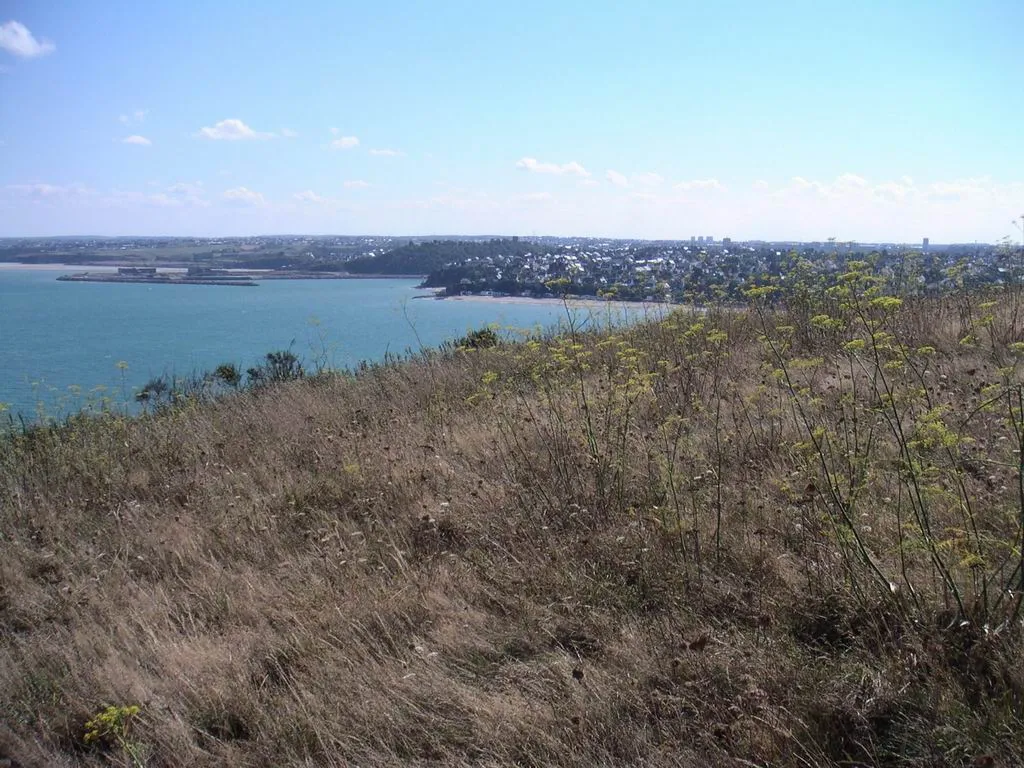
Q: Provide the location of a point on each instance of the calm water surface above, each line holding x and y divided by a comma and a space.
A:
57, 338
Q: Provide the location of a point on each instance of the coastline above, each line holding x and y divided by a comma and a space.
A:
102, 270
17, 266
166, 279
573, 303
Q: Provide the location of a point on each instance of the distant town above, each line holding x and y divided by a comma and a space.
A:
697, 268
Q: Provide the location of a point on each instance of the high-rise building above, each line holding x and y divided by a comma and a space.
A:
709, 239
726, 241
924, 245
693, 239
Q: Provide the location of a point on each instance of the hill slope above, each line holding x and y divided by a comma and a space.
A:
786, 536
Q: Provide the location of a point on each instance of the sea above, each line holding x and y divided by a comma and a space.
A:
69, 346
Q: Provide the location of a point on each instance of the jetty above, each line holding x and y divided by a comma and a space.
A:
193, 276
213, 276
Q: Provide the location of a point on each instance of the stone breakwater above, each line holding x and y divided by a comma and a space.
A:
159, 279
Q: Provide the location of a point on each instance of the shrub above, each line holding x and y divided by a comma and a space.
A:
277, 367
481, 338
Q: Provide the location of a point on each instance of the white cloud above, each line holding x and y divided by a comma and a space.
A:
534, 197
244, 195
955, 190
799, 183
57, 196
142, 141
313, 201
232, 130
138, 116
186, 188
535, 166
700, 184
343, 142
40, 190
648, 179
36, 190
356, 184
848, 186
386, 152
188, 193
180, 195
851, 206
170, 200
463, 201
16, 39
163, 200
891, 190
956, 210
842, 186
616, 178
851, 180
309, 196
288, 133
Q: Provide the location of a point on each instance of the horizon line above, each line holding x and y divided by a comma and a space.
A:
438, 236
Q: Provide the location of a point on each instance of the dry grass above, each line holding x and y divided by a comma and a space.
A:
603, 549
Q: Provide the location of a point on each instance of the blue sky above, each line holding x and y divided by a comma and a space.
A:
798, 120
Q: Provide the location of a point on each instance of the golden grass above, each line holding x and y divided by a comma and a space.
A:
601, 549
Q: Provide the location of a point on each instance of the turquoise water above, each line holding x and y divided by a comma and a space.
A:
59, 342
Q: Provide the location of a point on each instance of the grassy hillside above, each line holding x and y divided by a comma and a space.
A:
785, 536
